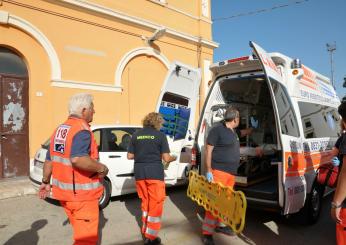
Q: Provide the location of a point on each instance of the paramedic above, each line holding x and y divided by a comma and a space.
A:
72, 168
148, 147
338, 205
222, 162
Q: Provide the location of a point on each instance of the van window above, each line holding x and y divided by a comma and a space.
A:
319, 121
288, 119
176, 115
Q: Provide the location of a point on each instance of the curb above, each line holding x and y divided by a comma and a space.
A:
16, 187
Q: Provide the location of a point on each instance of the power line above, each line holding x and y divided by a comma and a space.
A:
258, 11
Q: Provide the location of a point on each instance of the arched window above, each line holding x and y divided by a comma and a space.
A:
11, 63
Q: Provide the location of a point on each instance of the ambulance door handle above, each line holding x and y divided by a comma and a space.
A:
114, 156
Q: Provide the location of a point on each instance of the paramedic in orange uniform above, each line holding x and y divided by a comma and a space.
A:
74, 172
222, 162
338, 205
148, 148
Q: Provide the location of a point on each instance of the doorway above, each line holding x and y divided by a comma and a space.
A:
14, 115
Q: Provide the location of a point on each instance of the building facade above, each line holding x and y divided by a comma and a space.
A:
117, 50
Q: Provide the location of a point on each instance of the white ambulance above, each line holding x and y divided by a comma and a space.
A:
296, 109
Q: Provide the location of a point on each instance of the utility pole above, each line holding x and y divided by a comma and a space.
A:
331, 47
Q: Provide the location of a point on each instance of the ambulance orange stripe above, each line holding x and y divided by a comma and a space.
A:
305, 162
308, 79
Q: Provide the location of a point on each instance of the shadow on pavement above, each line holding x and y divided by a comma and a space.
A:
133, 205
263, 228
29, 236
186, 206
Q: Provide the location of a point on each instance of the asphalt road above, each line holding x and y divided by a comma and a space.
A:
28, 220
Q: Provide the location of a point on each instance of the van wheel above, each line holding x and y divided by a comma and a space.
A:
106, 195
313, 204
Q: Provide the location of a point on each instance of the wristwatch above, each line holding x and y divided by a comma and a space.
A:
45, 181
335, 205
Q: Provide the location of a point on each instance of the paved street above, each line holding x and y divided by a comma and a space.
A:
27, 220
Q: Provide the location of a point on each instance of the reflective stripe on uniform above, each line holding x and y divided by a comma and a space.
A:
209, 221
151, 232
207, 228
67, 186
62, 160
154, 219
144, 213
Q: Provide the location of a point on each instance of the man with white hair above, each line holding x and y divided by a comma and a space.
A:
73, 170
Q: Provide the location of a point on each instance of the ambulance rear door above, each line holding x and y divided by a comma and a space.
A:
291, 166
177, 103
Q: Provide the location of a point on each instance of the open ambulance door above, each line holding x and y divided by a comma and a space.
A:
177, 104
291, 180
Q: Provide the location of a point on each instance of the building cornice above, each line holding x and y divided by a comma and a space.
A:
85, 85
138, 21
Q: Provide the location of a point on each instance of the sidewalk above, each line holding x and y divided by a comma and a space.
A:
16, 187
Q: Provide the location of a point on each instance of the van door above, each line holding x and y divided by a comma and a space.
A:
292, 183
113, 144
177, 104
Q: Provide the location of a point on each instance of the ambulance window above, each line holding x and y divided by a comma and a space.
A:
285, 109
318, 121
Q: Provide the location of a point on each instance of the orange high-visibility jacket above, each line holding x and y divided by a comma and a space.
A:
69, 183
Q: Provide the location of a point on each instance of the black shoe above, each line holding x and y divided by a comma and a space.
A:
208, 240
225, 230
156, 241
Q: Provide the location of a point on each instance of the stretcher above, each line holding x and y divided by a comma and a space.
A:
223, 202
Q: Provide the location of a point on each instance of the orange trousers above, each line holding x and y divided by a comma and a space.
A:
341, 229
210, 222
153, 194
84, 218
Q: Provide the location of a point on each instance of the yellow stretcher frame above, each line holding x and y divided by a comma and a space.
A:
223, 202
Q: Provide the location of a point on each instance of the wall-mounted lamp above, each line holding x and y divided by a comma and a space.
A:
157, 34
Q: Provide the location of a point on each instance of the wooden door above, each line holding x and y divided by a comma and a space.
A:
14, 137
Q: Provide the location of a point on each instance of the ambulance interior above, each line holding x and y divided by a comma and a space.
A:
257, 174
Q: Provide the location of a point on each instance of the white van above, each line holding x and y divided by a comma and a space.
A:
296, 108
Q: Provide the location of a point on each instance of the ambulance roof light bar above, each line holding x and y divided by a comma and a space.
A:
243, 58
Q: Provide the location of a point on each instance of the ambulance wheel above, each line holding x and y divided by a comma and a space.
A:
106, 195
314, 203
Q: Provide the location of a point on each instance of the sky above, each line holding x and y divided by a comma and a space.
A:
299, 31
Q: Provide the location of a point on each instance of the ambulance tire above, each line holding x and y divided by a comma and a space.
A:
106, 195
313, 204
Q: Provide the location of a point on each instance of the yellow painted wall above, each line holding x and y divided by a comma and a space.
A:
142, 81
90, 47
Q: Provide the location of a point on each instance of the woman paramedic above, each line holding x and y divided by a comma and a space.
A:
148, 148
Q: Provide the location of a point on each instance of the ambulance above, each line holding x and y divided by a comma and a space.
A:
298, 124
